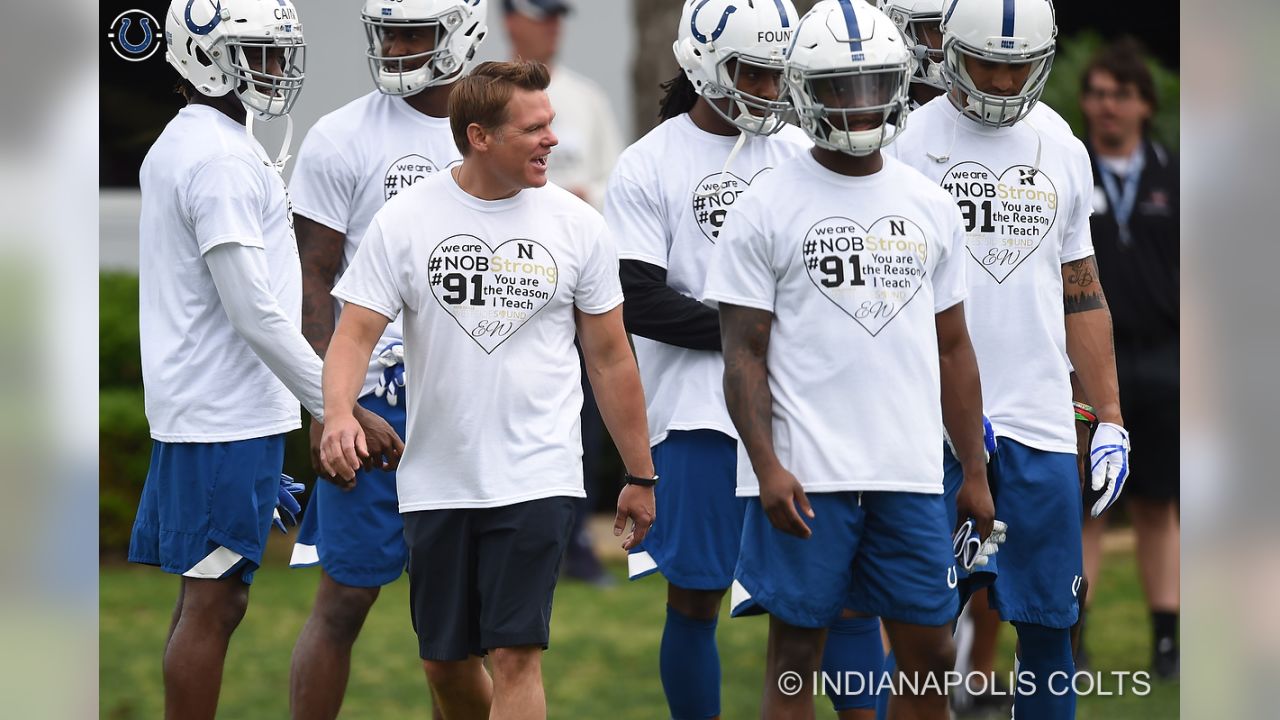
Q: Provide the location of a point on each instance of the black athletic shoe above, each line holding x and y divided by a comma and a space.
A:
1165, 663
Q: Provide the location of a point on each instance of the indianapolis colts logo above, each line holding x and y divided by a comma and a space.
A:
719, 30
952, 577
134, 35
207, 27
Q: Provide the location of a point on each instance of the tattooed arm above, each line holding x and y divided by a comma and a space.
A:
745, 336
320, 252
1089, 341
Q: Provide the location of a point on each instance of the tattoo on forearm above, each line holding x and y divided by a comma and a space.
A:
1081, 303
1081, 273
1081, 289
317, 306
747, 393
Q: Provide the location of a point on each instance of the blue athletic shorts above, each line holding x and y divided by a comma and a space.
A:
694, 540
1037, 494
357, 536
206, 507
881, 553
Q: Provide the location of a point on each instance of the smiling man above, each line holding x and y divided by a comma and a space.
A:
353, 161
495, 270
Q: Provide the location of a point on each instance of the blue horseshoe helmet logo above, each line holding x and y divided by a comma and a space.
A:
715, 34
135, 48
207, 27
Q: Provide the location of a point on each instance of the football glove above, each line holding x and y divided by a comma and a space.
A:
972, 551
1108, 464
392, 361
287, 506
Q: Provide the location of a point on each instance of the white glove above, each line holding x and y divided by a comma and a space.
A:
1109, 464
972, 551
392, 361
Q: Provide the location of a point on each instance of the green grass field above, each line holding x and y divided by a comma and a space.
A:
602, 663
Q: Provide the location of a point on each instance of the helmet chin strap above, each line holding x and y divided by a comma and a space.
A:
283, 156
742, 140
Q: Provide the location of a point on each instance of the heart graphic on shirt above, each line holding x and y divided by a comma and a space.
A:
1006, 216
491, 292
871, 273
712, 198
405, 172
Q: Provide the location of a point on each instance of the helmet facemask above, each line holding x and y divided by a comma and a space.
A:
988, 108
754, 115
268, 73
855, 111
410, 74
917, 29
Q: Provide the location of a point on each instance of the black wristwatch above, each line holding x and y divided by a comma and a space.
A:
629, 479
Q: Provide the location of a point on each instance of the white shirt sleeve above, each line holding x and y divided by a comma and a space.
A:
950, 281
1077, 237
599, 289
742, 268
636, 219
322, 185
241, 276
376, 280
224, 202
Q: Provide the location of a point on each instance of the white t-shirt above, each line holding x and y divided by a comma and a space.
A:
588, 132
854, 269
355, 159
1022, 226
204, 183
654, 209
488, 291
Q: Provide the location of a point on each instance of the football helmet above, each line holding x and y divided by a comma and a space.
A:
917, 19
458, 27
719, 40
253, 48
1001, 31
847, 73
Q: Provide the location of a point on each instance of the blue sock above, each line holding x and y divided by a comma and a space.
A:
689, 664
852, 662
1046, 664
882, 700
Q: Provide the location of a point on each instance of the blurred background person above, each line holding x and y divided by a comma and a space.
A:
589, 144
585, 123
1135, 234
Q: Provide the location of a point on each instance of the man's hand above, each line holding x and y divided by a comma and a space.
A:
1109, 465
974, 501
780, 494
342, 449
314, 433
287, 506
636, 503
384, 445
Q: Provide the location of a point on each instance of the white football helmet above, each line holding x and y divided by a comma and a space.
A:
458, 26
716, 34
223, 46
848, 72
917, 19
1002, 31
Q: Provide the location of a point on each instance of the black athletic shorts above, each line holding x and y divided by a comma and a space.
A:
483, 578
1149, 401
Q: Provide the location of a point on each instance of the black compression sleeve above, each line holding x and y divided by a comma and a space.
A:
656, 311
